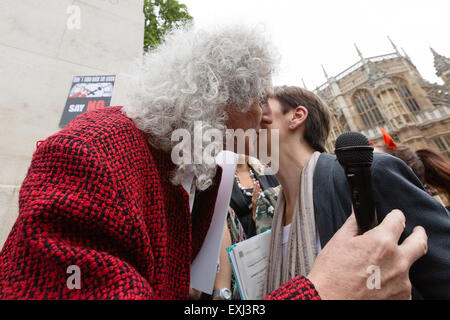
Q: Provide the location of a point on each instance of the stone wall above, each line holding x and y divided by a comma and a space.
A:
43, 45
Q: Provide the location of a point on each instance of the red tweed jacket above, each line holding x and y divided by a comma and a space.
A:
97, 196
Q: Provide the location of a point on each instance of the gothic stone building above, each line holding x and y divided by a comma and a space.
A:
388, 91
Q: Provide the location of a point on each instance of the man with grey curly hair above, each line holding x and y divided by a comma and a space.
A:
106, 214
200, 78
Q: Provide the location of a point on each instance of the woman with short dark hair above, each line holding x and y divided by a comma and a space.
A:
314, 200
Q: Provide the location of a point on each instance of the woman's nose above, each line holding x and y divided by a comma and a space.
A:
266, 115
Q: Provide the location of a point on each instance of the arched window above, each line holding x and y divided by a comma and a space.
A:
367, 109
406, 95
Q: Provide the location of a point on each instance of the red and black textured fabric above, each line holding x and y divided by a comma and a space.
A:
298, 288
98, 196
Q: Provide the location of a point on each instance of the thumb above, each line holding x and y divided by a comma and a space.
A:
350, 227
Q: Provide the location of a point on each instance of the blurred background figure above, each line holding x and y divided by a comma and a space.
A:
432, 169
251, 178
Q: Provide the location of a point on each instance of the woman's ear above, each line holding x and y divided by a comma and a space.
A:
298, 117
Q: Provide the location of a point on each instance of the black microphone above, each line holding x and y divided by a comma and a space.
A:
355, 154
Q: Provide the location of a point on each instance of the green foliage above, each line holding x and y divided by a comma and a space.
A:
161, 16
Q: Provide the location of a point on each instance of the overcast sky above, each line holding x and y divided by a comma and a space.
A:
311, 33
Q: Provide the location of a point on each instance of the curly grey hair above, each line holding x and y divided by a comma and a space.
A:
192, 77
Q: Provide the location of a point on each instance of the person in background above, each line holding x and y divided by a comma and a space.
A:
437, 173
251, 178
432, 169
314, 200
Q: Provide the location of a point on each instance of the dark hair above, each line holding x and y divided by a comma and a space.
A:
437, 171
409, 157
318, 121
429, 166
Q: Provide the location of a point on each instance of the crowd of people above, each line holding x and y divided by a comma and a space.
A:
104, 194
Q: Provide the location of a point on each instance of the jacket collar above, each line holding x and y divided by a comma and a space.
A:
332, 204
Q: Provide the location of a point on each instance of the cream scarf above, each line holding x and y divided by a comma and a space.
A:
302, 244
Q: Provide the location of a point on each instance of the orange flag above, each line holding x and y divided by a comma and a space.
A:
390, 143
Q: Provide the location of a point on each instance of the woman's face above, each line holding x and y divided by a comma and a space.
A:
279, 122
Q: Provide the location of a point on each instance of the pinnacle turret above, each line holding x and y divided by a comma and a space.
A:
441, 63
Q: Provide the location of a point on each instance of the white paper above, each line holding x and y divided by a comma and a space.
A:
204, 266
250, 259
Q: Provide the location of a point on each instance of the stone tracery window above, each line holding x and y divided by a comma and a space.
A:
367, 108
406, 95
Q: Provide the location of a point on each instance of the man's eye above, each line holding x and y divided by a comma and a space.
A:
263, 101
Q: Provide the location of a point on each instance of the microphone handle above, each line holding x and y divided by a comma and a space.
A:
360, 181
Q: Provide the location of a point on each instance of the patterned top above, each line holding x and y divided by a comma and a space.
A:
241, 203
267, 201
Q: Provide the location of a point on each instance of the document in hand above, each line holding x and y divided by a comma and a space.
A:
249, 261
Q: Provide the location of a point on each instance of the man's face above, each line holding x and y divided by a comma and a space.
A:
258, 115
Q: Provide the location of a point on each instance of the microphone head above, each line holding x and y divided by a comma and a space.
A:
353, 148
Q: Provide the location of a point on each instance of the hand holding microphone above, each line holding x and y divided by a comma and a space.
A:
340, 269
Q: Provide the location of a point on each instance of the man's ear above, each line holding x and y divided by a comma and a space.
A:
298, 117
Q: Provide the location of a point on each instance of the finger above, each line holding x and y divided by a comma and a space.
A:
416, 245
393, 223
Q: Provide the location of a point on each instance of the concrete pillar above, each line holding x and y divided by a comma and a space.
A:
43, 45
